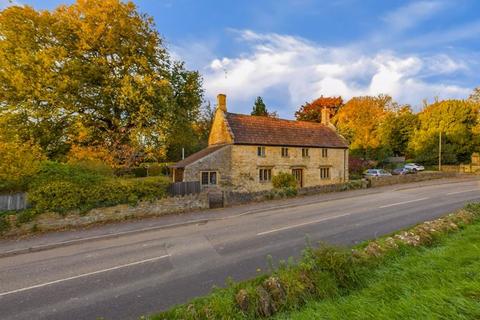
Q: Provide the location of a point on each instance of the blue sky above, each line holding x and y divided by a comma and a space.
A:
293, 51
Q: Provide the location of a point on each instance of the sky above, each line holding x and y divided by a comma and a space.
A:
292, 51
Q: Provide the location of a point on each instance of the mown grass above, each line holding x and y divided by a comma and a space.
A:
440, 282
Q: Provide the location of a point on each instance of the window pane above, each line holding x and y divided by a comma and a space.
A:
213, 178
204, 178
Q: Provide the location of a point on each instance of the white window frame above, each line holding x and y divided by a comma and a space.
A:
284, 152
264, 175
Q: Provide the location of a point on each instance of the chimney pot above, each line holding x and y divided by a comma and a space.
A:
222, 102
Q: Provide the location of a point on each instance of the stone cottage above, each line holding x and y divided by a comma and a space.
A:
244, 152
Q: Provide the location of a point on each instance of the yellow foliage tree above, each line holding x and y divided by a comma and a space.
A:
18, 162
359, 120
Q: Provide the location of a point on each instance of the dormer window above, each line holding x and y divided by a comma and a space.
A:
285, 152
305, 152
261, 151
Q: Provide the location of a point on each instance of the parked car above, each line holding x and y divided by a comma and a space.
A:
414, 167
376, 173
400, 171
403, 171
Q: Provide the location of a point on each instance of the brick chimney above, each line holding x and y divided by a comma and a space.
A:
222, 102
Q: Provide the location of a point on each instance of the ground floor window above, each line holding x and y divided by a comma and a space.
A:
324, 173
265, 175
209, 178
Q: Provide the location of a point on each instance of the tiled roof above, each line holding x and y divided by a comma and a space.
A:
256, 130
196, 156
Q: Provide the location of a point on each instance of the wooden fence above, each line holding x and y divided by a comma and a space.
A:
184, 188
16, 201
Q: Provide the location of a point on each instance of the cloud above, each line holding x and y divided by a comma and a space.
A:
299, 70
412, 14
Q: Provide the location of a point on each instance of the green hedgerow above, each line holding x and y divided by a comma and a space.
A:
62, 187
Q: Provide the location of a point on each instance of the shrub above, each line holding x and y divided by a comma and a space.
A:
284, 180
64, 187
4, 224
18, 163
62, 196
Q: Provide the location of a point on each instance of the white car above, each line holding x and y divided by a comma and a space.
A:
414, 167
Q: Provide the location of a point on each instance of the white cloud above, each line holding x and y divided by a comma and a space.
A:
302, 70
413, 13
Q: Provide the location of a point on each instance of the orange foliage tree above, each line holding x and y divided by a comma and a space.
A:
312, 111
359, 121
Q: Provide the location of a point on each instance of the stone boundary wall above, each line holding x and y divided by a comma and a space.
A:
54, 221
421, 176
462, 168
236, 198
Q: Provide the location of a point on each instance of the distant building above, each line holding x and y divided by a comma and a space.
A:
244, 152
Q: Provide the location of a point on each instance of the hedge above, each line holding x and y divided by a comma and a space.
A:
63, 187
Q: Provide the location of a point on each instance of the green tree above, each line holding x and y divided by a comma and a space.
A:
456, 120
475, 96
259, 108
396, 130
94, 74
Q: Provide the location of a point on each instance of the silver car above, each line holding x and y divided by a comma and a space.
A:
376, 173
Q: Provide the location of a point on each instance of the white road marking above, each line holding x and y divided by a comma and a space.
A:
302, 224
84, 275
400, 203
465, 191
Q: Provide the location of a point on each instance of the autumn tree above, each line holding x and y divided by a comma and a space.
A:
94, 74
312, 111
456, 120
359, 121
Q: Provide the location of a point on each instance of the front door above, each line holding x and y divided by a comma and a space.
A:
298, 174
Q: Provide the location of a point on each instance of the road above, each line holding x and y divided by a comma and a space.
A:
137, 274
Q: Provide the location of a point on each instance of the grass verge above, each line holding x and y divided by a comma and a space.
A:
439, 282
334, 276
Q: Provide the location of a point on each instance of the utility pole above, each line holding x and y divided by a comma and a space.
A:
440, 152
183, 153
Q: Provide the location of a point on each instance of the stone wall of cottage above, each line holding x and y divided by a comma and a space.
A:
246, 164
219, 161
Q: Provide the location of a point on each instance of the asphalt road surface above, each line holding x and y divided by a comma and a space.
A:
139, 274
